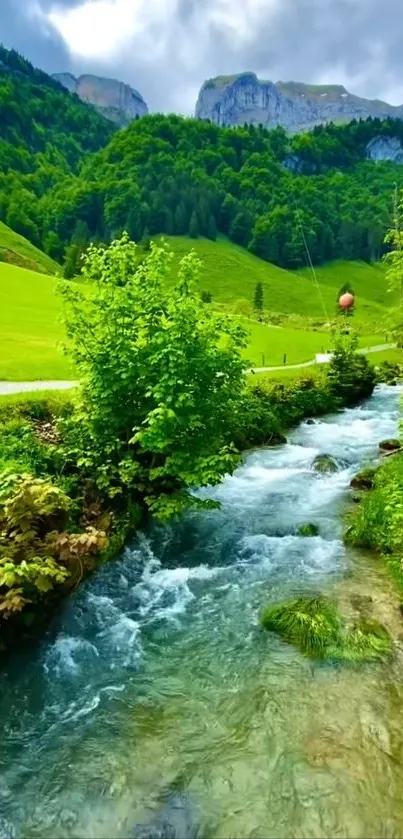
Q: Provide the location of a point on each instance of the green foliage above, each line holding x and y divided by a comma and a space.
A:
315, 626
37, 556
394, 257
161, 377
72, 265
389, 372
349, 374
378, 521
268, 407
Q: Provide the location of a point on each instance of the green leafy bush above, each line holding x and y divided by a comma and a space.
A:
161, 377
378, 521
37, 555
350, 376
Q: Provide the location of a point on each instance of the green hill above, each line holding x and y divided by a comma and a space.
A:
17, 250
230, 273
30, 327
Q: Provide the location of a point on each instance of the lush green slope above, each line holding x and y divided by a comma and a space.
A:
29, 326
230, 273
17, 250
367, 280
268, 345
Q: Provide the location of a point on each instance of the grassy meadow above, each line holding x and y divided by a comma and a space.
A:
31, 331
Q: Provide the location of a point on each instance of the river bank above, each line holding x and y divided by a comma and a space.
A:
155, 677
57, 526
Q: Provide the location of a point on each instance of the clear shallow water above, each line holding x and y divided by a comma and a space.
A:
156, 678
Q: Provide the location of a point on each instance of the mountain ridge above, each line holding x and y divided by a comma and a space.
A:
296, 106
113, 99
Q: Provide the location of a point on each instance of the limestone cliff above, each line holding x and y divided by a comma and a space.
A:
385, 148
234, 100
113, 99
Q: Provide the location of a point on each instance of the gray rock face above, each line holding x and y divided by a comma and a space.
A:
385, 148
234, 100
113, 99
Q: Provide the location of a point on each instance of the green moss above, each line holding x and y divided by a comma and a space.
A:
316, 628
366, 641
308, 529
312, 624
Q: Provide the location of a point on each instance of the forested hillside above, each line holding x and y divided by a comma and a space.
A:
64, 178
45, 134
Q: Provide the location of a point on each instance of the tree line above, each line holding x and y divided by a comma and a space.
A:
67, 178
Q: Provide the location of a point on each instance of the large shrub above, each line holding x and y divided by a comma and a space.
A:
161, 376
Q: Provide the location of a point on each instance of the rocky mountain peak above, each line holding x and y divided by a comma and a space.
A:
234, 100
115, 100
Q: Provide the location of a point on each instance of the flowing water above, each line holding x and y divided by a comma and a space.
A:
156, 682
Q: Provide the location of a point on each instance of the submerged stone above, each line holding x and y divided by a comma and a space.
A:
177, 819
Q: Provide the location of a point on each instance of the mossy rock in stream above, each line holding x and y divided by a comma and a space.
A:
314, 625
365, 479
325, 464
311, 623
392, 445
308, 529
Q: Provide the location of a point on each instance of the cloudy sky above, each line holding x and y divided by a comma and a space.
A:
166, 48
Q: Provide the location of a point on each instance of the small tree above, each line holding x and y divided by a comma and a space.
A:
258, 298
161, 378
72, 264
194, 226
349, 374
206, 296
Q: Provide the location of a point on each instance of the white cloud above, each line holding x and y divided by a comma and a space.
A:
100, 29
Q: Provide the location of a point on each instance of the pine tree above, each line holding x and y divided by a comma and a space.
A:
258, 298
212, 229
194, 226
180, 219
169, 222
81, 234
72, 263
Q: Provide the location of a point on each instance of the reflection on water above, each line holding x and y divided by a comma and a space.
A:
157, 686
